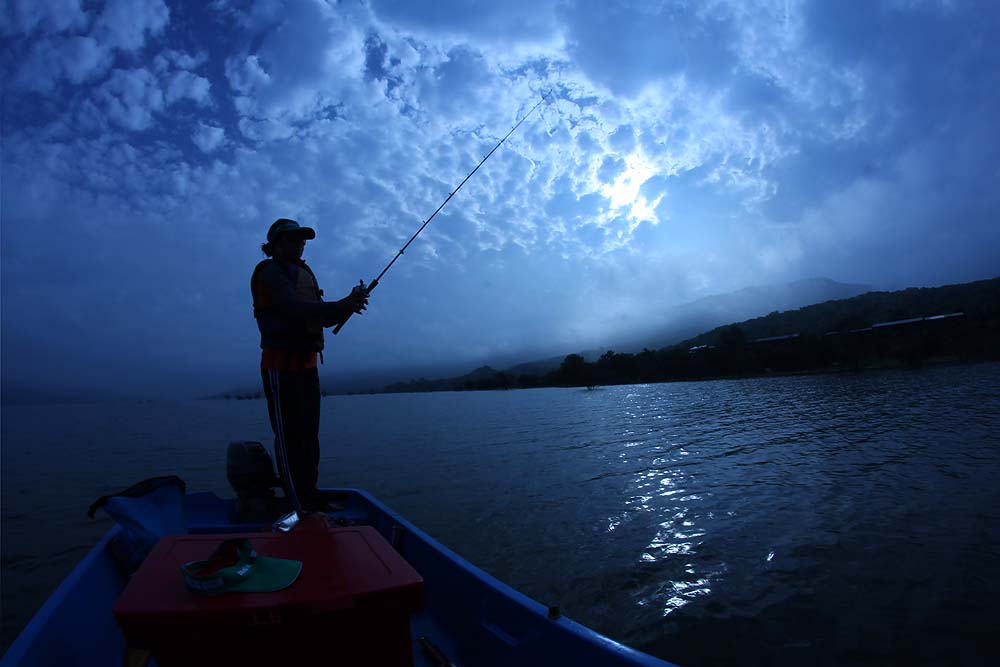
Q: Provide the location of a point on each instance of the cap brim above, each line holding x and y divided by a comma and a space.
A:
270, 574
307, 233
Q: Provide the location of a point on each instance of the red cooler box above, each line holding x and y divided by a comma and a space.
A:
350, 605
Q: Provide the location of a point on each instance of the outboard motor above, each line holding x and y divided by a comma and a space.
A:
250, 472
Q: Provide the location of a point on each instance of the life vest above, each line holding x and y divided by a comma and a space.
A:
298, 334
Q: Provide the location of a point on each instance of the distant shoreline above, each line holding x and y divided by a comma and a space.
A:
937, 363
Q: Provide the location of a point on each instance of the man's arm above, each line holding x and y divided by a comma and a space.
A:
354, 303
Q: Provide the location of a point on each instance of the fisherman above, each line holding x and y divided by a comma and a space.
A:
291, 315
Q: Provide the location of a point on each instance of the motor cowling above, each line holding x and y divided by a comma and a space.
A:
250, 470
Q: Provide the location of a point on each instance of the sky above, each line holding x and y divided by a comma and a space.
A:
685, 148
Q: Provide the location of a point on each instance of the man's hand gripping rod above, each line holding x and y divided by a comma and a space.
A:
373, 284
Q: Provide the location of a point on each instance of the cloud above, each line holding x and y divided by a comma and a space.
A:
88, 55
50, 61
622, 139
53, 16
246, 74
125, 24
84, 59
456, 21
171, 58
611, 167
131, 97
185, 85
925, 208
134, 98
656, 41
208, 138
309, 57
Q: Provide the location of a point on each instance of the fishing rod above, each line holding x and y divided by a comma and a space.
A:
373, 284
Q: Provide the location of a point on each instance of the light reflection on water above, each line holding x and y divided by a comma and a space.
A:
664, 492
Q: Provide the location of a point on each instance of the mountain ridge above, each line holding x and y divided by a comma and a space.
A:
706, 313
876, 329
690, 319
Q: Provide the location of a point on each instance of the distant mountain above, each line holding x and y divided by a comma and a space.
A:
696, 317
691, 319
979, 300
875, 330
538, 367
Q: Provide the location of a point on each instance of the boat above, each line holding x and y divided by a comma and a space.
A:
468, 618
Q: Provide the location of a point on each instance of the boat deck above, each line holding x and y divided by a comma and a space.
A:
469, 618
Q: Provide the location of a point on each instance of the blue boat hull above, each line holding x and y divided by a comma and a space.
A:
470, 617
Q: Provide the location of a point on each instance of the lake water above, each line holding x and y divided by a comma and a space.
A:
837, 519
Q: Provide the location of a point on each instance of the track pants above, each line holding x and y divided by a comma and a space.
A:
293, 406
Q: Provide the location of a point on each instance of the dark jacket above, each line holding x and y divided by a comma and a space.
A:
289, 308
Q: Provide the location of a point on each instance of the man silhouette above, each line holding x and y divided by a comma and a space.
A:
291, 314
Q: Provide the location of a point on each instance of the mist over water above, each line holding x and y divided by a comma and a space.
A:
848, 519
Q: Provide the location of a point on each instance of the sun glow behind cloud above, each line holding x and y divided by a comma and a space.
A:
623, 192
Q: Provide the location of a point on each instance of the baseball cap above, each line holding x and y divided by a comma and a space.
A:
235, 567
288, 226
